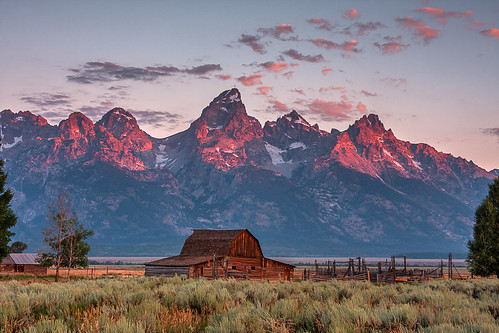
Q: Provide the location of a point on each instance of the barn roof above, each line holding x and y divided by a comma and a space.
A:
180, 261
20, 259
205, 242
201, 246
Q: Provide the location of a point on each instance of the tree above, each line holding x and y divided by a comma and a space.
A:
483, 254
18, 247
65, 237
7, 217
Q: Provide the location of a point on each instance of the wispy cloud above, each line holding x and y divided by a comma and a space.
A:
275, 67
326, 70
491, 131
327, 44
362, 28
351, 14
276, 105
264, 90
441, 16
321, 23
155, 118
395, 82
253, 42
93, 72
368, 94
333, 110
223, 77
391, 45
298, 56
418, 28
47, 99
278, 31
493, 32
251, 80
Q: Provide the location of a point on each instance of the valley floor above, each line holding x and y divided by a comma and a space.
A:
119, 304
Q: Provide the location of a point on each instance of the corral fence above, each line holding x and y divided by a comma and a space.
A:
389, 271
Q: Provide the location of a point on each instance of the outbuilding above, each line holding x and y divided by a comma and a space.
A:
221, 254
22, 263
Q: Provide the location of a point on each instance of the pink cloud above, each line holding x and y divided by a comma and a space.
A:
251, 80
326, 70
361, 107
441, 16
327, 44
284, 29
277, 105
343, 90
392, 45
277, 31
264, 90
275, 67
299, 91
298, 56
418, 28
493, 32
223, 77
294, 64
321, 23
368, 94
331, 110
351, 14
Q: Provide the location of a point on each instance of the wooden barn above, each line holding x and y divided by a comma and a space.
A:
22, 263
221, 254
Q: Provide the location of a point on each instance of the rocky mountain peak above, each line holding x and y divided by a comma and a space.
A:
76, 126
119, 122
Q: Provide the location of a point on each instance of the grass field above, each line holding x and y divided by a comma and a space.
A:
119, 304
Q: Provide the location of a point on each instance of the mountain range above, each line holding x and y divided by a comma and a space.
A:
300, 190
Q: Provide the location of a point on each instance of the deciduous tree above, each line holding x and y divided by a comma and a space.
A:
65, 237
483, 254
18, 247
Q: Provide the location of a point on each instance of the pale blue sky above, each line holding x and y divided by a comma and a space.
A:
431, 74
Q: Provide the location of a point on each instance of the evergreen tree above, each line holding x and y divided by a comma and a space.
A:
483, 254
7, 217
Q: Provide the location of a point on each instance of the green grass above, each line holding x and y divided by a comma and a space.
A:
179, 305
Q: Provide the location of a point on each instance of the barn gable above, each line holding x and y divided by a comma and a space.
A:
237, 243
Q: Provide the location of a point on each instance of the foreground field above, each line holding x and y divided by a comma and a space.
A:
177, 305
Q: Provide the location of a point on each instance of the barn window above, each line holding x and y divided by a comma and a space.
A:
253, 268
233, 267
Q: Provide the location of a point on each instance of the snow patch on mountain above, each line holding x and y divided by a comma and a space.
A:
296, 145
17, 139
275, 154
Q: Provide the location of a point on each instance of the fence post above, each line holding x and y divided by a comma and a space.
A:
450, 265
213, 270
334, 268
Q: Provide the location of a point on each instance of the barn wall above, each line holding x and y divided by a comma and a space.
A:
35, 269
28, 269
259, 269
245, 245
166, 271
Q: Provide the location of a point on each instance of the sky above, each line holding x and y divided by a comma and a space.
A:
429, 69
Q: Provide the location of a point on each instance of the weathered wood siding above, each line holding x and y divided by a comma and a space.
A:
166, 271
28, 269
246, 245
260, 269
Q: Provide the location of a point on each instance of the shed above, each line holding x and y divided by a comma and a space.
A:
22, 263
221, 254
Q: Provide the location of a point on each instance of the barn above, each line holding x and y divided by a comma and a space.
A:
22, 263
221, 254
